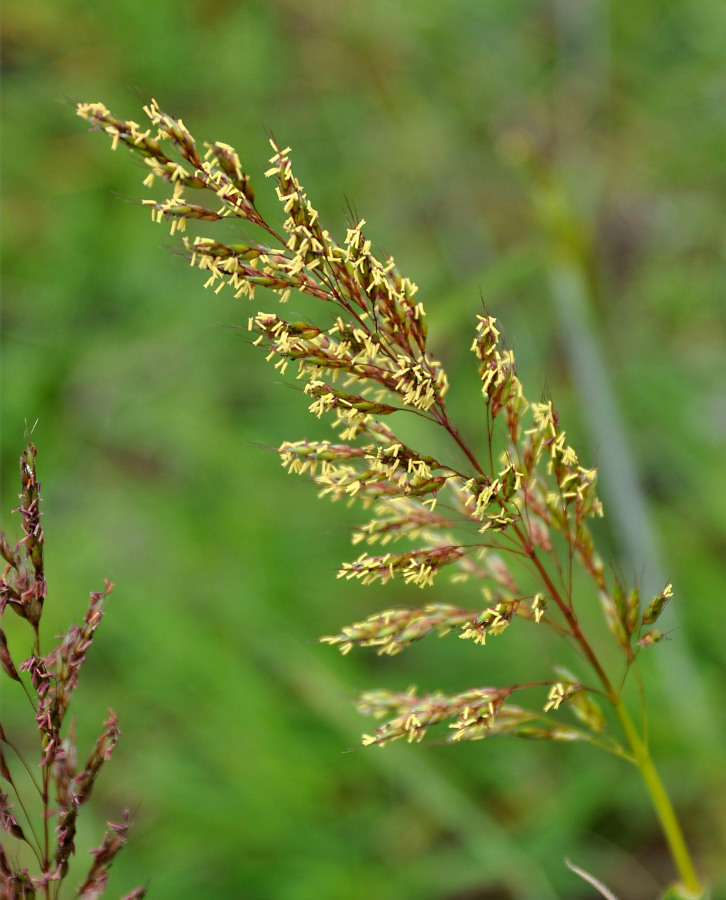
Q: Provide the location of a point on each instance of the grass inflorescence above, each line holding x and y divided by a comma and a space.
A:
40, 812
526, 500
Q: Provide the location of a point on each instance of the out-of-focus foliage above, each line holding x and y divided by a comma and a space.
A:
489, 147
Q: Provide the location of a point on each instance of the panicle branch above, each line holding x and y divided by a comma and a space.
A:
22, 585
113, 841
472, 715
392, 630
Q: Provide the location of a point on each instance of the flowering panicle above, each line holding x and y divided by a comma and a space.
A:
527, 498
372, 362
377, 342
53, 679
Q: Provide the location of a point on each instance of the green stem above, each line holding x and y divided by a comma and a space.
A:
662, 803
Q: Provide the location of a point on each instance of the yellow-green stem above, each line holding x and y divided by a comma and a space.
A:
662, 803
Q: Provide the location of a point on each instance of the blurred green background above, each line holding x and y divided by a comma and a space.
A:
562, 159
